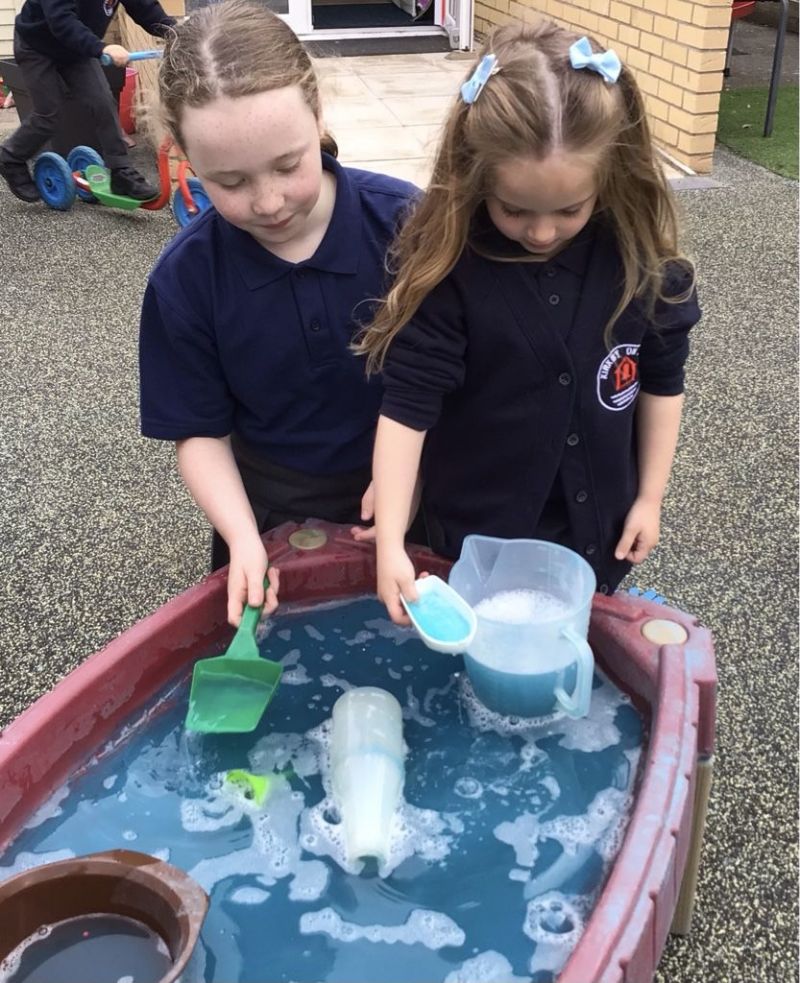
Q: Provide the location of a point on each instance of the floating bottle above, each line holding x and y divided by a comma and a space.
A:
367, 768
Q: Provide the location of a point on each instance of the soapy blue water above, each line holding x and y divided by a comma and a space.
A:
133, 797
438, 618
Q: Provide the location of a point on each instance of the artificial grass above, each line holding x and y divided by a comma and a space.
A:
741, 127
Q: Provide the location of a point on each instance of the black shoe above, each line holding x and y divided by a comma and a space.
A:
18, 178
129, 182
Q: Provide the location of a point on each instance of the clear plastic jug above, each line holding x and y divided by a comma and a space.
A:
532, 599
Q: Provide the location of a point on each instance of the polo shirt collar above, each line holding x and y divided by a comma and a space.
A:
337, 253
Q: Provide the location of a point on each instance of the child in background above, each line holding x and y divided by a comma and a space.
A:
534, 340
57, 43
249, 314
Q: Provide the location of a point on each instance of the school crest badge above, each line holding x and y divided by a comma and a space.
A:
618, 378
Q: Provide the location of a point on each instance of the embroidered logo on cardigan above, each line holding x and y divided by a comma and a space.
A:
618, 378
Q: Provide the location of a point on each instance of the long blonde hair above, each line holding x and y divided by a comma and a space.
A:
231, 49
535, 104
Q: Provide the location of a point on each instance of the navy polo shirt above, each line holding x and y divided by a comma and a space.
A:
236, 340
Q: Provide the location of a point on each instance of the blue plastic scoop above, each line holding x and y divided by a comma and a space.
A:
441, 616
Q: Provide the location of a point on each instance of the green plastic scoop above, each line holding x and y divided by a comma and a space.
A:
231, 692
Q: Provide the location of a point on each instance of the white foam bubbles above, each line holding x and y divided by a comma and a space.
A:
280, 751
433, 929
388, 629
573, 832
468, 788
291, 658
329, 680
27, 861
483, 719
49, 809
521, 835
298, 676
412, 710
520, 607
423, 832
486, 967
310, 881
552, 919
249, 895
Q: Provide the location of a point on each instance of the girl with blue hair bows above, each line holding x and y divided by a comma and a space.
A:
533, 343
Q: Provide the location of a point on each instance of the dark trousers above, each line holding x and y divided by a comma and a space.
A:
45, 81
280, 495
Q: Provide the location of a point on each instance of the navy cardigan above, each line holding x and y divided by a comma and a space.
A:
515, 408
69, 30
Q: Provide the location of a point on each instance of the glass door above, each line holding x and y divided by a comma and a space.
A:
456, 17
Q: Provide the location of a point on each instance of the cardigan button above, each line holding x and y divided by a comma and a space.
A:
603, 588
554, 299
565, 379
573, 440
315, 326
549, 271
581, 496
590, 549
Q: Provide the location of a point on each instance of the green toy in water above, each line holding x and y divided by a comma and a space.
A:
231, 692
253, 787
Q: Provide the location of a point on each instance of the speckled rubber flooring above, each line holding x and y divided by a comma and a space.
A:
97, 531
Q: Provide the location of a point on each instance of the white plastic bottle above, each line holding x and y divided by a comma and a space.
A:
367, 768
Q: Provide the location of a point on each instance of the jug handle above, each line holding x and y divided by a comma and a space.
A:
577, 705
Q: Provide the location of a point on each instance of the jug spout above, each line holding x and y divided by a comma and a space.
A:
479, 556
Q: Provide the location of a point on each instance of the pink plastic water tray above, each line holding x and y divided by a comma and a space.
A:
659, 656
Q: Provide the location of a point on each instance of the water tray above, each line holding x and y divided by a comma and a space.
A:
659, 656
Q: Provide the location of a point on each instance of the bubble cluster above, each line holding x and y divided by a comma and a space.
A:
486, 967
433, 929
552, 919
522, 607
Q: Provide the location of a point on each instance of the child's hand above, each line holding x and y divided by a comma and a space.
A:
641, 531
395, 577
361, 535
248, 565
118, 55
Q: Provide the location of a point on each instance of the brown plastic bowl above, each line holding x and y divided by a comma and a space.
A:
115, 882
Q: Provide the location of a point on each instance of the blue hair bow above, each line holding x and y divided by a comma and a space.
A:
473, 87
605, 63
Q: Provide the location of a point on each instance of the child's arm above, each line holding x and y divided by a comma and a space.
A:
209, 470
658, 420
398, 450
150, 15
66, 26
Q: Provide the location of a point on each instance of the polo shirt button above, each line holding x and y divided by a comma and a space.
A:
565, 379
603, 588
315, 326
581, 496
590, 549
299, 274
554, 299
573, 439
549, 271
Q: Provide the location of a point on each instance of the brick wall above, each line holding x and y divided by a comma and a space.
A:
676, 48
